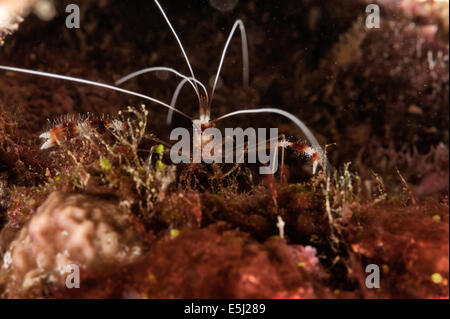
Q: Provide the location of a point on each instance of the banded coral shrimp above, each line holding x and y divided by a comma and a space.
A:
204, 120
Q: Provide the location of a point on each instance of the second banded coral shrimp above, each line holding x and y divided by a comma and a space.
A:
65, 130
72, 126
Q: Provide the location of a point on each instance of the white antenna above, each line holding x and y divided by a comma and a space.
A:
163, 68
309, 135
245, 67
177, 38
173, 102
106, 86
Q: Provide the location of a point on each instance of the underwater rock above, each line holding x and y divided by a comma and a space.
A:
218, 262
68, 229
389, 85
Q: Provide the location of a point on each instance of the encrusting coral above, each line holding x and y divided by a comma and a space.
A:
69, 229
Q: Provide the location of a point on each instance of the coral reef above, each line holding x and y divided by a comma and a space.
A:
87, 181
387, 91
